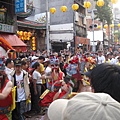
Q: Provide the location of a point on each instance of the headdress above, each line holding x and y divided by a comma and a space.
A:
54, 60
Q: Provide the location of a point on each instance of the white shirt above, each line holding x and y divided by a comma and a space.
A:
113, 61
20, 87
48, 70
37, 76
8, 71
101, 59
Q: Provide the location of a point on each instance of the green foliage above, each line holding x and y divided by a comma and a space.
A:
104, 14
117, 34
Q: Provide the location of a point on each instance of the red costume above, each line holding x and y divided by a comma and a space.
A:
49, 97
5, 104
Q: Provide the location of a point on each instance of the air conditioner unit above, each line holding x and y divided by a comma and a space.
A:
76, 17
84, 21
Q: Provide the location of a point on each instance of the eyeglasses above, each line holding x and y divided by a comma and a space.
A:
56, 65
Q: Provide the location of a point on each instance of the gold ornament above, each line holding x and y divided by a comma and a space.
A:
87, 4
105, 26
112, 25
100, 3
75, 7
99, 27
119, 25
63, 8
53, 10
114, 1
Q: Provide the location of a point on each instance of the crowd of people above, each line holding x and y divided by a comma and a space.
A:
50, 82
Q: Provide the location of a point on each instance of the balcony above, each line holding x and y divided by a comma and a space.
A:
5, 18
6, 21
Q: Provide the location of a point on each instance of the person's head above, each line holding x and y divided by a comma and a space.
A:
46, 62
37, 66
99, 53
85, 106
41, 59
18, 65
9, 63
54, 64
118, 59
2, 72
24, 65
106, 78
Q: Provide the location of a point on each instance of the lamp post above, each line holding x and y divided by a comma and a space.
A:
47, 28
92, 12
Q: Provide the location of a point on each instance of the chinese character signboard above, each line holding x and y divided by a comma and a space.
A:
20, 6
6, 28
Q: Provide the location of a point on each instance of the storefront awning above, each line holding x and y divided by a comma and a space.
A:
13, 41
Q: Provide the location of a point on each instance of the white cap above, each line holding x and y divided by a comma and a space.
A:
34, 58
46, 60
85, 106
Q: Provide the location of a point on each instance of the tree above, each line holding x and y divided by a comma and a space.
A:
104, 14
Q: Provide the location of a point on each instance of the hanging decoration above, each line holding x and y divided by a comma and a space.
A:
106, 26
99, 27
100, 3
52, 10
75, 7
63, 8
114, 1
33, 43
112, 25
23, 35
119, 25
87, 4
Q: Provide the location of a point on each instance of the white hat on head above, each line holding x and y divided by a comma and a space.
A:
34, 58
85, 106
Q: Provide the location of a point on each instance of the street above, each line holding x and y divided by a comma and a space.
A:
38, 117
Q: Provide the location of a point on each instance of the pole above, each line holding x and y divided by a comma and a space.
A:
74, 29
93, 47
47, 28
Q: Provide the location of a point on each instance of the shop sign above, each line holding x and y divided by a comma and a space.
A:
6, 28
20, 6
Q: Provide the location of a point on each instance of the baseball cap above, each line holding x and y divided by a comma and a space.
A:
85, 106
17, 62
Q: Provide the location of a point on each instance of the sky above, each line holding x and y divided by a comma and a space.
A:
117, 4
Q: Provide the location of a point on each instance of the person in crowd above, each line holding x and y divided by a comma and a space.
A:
20, 79
46, 62
33, 61
61, 62
113, 60
24, 65
100, 58
107, 58
5, 94
42, 71
118, 63
106, 78
37, 85
85, 106
9, 66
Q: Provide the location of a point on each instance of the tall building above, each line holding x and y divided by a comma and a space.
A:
68, 27
8, 39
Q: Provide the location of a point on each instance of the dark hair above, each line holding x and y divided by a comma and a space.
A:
23, 62
36, 65
42, 58
106, 78
8, 61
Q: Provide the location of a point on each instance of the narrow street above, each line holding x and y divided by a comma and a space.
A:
38, 117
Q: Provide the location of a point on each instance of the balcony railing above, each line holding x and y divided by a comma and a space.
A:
5, 18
